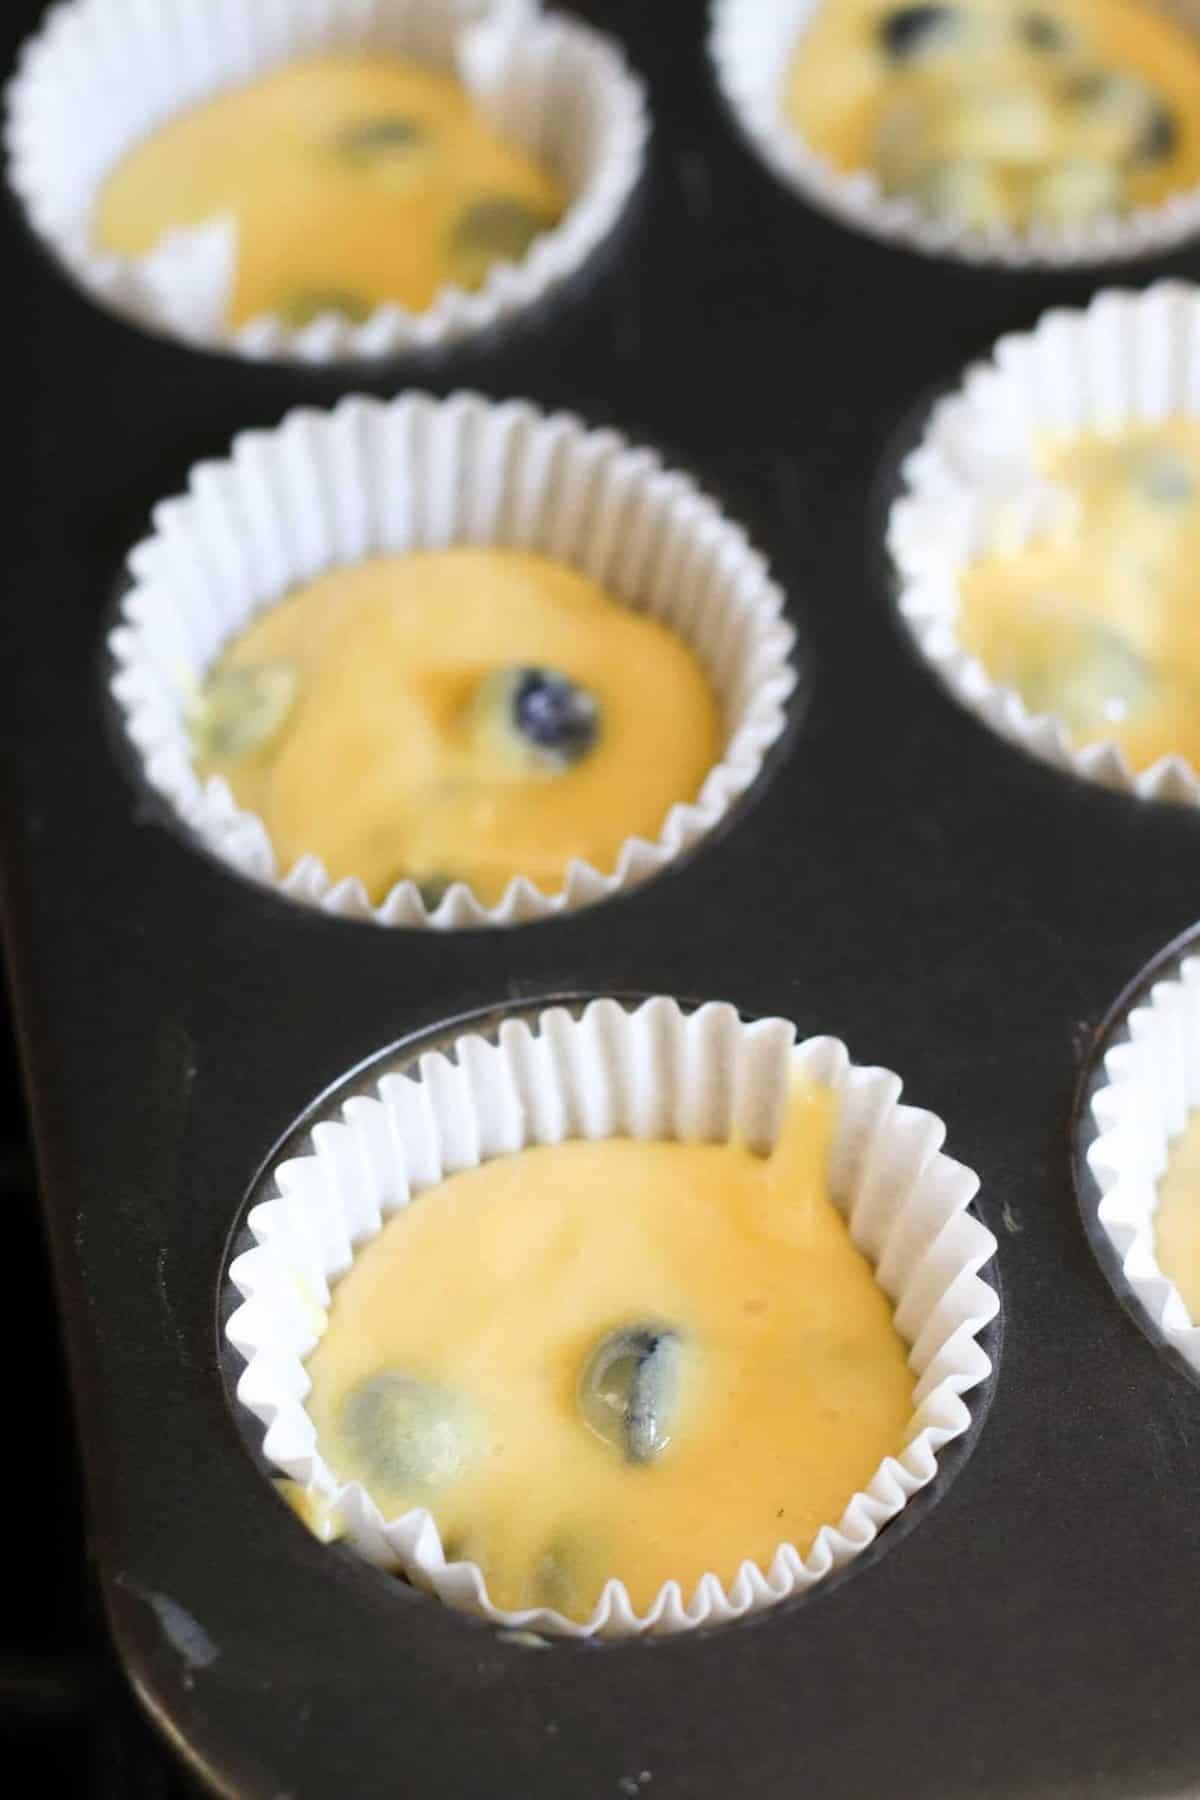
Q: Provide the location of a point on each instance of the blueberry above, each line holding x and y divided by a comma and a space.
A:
407, 1433
1165, 477
912, 31
433, 889
498, 226
555, 1580
1111, 93
629, 1389
390, 149
461, 1546
1120, 116
965, 190
544, 716
1075, 191
1042, 31
496, 229
1159, 138
304, 304
388, 135
1096, 679
242, 710
551, 712
1097, 88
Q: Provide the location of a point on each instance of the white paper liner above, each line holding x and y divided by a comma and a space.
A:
102, 74
369, 478
654, 1072
1128, 359
1152, 1085
752, 43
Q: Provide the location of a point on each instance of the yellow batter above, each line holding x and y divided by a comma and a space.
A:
1177, 1221
354, 179
495, 1288
367, 719
1003, 113
1097, 621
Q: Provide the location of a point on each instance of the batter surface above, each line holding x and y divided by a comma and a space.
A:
1098, 622
389, 718
1003, 113
354, 179
503, 1290
1177, 1221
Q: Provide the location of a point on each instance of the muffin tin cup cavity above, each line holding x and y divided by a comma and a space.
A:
103, 74
1147, 1086
370, 478
752, 43
1128, 359
653, 1072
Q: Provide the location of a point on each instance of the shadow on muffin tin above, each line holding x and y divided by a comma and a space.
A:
400, 1058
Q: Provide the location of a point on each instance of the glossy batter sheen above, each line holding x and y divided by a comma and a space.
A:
1004, 113
1177, 1221
1098, 622
498, 1283
354, 179
382, 766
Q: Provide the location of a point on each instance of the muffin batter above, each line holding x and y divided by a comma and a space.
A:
464, 714
1177, 1221
354, 179
616, 1358
1097, 621
1003, 113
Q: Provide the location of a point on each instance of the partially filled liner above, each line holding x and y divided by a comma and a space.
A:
373, 478
752, 44
102, 74
1127, 359
653, 1072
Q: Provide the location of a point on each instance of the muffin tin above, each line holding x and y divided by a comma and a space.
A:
899, 876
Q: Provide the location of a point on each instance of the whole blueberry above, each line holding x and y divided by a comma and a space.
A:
629, 1389
497, 228
408, 1433
1164, 477
1096, 678
551, 712
1042, 31
1105, 91
381, 136
912, 30
1158, 139
299, 306
433, 890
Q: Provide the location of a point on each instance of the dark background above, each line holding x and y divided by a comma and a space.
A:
64, 1707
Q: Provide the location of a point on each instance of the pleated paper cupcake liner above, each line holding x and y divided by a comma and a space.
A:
1130, 358
752, 43
370, 478
1150, 1087
653, 1072
103, 74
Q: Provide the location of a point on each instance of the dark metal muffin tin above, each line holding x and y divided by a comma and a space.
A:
902, 878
